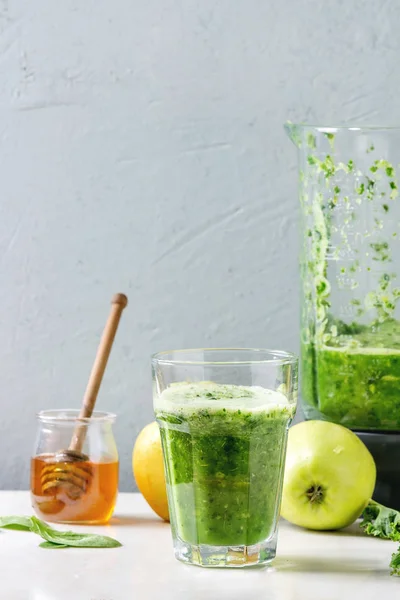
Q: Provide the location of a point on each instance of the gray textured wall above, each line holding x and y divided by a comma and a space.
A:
142, 150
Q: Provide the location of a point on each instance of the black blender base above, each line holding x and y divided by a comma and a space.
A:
385, 449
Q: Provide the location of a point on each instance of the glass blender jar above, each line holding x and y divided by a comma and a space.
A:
350, 277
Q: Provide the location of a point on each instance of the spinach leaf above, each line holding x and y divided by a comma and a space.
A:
18, 523
58, 539
69, 538
52, 546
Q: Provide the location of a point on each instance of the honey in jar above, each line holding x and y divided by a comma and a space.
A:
83, 491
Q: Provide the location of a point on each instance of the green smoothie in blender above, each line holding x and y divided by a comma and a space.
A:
356, 386
350, 343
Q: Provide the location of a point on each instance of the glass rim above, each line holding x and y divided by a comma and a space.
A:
277, 357
335, 128
71, 415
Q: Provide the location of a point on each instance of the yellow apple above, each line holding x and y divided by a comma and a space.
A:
148, 469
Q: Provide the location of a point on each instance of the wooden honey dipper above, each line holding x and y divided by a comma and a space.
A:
70, 468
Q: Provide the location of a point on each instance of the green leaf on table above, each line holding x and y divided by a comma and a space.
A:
18, 523
380, 521
52, 546
395, 563
69, 538
58, 539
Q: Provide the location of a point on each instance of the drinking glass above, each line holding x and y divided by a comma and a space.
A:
224, 416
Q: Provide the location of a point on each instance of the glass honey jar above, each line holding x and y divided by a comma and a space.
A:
69, 486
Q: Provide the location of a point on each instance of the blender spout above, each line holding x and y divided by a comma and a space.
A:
294, 132
305, 135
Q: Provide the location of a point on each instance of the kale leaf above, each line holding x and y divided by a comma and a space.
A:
383, 522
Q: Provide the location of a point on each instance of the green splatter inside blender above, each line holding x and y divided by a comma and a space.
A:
350, 364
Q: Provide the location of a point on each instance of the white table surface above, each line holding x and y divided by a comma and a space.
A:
309, 566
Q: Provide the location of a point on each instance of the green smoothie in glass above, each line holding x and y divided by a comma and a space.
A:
224, 450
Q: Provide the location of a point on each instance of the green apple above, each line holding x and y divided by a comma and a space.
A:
329, 476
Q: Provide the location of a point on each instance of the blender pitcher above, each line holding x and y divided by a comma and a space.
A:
350, 278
